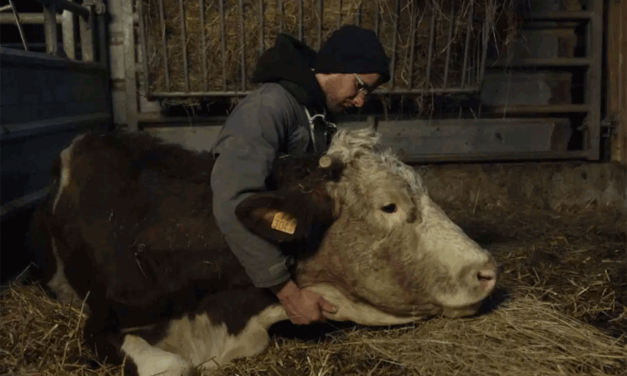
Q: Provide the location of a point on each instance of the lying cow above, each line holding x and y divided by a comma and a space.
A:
128, 231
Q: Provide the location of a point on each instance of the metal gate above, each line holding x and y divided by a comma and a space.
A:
205, 48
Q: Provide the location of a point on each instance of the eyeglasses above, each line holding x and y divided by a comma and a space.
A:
363, 88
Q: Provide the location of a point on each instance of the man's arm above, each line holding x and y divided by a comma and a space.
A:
247, 147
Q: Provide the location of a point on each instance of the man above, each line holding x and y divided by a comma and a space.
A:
288, 114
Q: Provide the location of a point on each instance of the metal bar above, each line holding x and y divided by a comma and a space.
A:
509, 156
466, 46
129, 66
158, 118
412, 49
36, 59
25, 18
204, 43
376, 23
223, 43
282, 22
77, 9
23, 203
485, 35
393, 63
550, 62
19, 25
184, 40
475, 59
242, 41
300, 20
67, 30
53, 125
103, 58
144, 44
86, 29
261, 38
339, 14
165, 46
594, 49
358, 16
5, 8
484, 53
50, 30
479, 45
527, 109
431, 37
244, 93
559, 16
320, 10
448, 43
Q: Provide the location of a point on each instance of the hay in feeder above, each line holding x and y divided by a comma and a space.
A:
211, 69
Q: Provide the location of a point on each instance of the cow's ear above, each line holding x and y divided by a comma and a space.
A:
285, 216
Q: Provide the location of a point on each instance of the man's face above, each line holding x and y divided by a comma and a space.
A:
348, 89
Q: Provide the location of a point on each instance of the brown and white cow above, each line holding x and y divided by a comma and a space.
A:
128, 228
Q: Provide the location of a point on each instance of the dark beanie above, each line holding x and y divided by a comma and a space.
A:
352, 49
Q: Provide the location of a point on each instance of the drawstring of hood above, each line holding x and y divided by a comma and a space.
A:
321, 132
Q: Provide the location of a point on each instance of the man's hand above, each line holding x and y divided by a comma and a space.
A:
302, 306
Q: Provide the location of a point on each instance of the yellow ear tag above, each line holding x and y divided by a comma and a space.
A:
284, 223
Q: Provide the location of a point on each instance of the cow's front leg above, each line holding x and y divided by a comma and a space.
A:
151, 360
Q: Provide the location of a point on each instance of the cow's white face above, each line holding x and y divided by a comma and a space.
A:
391, 246
390, 255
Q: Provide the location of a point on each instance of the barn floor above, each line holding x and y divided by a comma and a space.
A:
577, 262
562, 267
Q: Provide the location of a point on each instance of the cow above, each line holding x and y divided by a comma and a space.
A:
127, 234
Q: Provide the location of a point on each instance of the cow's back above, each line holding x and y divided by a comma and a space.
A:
132, 222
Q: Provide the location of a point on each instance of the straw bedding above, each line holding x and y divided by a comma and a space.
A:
561, 310
409, 73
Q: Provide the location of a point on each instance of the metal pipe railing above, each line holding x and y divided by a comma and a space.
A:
48, 18
164, 45
448, 44
77, 9
435, 79
204, 43
184, 44
233, 93
242, 41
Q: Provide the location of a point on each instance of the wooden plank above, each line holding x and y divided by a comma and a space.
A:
617, 77
467, 137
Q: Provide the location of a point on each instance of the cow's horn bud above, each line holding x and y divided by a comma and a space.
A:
325, 161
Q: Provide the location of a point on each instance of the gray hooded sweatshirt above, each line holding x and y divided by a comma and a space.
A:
285, 115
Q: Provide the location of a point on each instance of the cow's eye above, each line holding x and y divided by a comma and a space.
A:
389, 208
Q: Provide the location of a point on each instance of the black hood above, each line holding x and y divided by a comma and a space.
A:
289, 64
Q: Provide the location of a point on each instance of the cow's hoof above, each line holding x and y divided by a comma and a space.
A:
152, 361
166, 364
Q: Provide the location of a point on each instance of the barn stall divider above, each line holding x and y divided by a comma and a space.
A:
50, 93
557, 229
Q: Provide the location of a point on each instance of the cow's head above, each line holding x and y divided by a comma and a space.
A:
385, 253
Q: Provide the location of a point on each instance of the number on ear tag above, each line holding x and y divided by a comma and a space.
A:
284, 223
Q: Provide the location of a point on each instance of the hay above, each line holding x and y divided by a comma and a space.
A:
40, 336
523, 337
505, 26
566, 314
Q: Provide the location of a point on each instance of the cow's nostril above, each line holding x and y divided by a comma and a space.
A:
487, 278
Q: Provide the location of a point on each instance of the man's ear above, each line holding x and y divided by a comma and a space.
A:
285, 216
